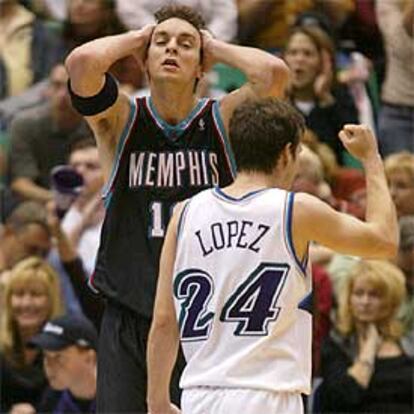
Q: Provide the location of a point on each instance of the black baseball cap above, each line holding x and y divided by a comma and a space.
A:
65, 331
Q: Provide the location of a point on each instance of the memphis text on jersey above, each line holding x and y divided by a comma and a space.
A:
194, 168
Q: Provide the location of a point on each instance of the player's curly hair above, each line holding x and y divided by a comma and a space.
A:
180, 11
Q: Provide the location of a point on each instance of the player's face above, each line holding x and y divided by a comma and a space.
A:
402, 192
367, 303
64, 367
174, 52
304, 61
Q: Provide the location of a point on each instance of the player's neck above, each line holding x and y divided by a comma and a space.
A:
173, 106
246, 182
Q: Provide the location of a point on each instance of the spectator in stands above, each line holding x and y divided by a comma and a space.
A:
69, 346
41, 138
220, 15
25, 233
326, 106
88, 20
364, 367
83, 221
396, 122
28, 50
31, 297
405, 261
278, 16
346, 183
399, 169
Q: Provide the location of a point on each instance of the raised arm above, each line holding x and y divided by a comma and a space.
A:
377, 237
267, 75
164, 335
87, 66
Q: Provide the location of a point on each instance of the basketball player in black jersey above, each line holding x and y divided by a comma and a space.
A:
155, 151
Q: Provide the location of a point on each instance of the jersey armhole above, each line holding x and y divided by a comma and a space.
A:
288, 235
218, 122
126, 132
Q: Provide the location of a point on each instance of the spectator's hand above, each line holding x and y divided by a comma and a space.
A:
22, 408
359, 141
208, 50
145, 35
93, 212
323, 82
370, 340
52, 218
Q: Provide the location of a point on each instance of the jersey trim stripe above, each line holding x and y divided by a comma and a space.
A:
126, 133
178, 129
90, 283
219, 193
288, 216
218, 122
306, 303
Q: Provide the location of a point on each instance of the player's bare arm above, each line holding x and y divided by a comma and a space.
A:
164, 336
267, 75
87, 66
377, 236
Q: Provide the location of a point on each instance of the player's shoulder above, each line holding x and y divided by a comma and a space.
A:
306, 206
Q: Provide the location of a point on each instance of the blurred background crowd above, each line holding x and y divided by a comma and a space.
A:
352, 61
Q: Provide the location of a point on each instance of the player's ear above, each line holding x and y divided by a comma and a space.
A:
286, 155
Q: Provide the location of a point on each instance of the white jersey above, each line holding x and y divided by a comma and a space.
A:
242, 297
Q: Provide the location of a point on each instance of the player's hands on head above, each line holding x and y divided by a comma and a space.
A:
359, 141
145, 34
208, 50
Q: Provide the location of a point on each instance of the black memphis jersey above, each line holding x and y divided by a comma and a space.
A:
157, 165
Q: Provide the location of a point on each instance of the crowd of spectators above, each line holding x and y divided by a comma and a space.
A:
351, 61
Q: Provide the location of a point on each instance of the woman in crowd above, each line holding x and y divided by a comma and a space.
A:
399, 169
364, 367
88, 20
31, 297
326, 106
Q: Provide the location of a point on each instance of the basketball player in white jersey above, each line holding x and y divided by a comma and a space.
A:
234, 281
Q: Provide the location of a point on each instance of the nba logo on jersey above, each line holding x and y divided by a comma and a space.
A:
201, 124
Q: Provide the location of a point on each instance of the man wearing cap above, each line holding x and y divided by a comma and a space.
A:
69, 345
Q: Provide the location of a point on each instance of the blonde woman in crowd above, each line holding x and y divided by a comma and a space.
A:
31, 297
399, 169
364, 367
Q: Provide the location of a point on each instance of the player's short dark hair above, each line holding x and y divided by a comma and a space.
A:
182, 12
260, 129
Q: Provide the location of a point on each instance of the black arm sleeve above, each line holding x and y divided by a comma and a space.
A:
93, 105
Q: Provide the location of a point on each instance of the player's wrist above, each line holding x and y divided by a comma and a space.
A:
158, 407
372, 160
